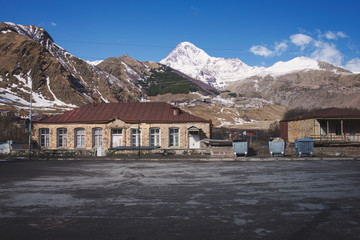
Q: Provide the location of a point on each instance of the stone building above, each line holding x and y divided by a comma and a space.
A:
331, 125
122, 126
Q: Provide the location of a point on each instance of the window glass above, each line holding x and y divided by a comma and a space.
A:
135, 137
97, 137
79, 137
44, 137
155, 137
62, 137
174, 137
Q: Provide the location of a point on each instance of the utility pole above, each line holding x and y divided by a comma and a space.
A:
30, 117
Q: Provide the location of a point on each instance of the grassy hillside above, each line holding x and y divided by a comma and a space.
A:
163, 80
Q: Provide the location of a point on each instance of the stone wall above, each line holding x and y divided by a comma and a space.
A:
301, 129
118, 124
331, 151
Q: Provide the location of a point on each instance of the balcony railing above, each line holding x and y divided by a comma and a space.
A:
337, 138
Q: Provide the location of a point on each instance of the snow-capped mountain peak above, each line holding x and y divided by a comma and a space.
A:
220, 72
296, 64
188, 54
191, 60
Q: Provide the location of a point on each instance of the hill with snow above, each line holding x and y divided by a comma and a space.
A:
221, 72
29, 58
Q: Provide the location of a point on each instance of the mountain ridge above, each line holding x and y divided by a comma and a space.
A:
220, 72
30, 57
61, 81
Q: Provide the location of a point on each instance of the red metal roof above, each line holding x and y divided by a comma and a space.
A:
145, 112
328, 113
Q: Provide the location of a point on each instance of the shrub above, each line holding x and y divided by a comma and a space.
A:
234, 95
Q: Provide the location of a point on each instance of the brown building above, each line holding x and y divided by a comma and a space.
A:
331, 125
122, 126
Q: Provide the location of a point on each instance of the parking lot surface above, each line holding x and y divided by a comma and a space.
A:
138, 200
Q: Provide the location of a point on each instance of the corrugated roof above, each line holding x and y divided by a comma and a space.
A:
145, 112
327, 113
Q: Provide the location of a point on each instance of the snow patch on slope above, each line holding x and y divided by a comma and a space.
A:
94, 63
7, 95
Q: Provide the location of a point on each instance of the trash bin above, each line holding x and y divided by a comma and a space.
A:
240, 147
277, 147
304, 147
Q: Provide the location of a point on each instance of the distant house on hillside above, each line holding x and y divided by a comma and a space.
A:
122, 126
331, 125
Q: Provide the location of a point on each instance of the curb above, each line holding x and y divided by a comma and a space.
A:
187, 158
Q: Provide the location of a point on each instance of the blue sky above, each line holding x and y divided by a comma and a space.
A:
259, 33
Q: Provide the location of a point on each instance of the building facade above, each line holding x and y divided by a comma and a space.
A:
122, 126
331, 125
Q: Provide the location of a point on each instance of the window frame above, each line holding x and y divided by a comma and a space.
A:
82, 136
174, 137
61, 137
155, 137
97, 138
44, 138
136, 136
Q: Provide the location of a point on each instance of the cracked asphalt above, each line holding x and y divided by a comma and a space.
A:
136, 200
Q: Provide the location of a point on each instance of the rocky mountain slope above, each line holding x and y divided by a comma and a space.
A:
304, 89
220, 72
127, 68
59, 80
252, 96
300, 82
140, 73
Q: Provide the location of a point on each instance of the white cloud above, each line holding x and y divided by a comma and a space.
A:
335, 35
261, 51
330, 35
342, 35
328, 53
280, 48
53, 24
300, 40
319, 47
353, 65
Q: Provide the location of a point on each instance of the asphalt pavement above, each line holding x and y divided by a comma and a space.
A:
182, 199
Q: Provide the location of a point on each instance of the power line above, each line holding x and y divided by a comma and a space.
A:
145, 45
117, 44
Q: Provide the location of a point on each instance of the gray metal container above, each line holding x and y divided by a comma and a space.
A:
241, 147
277, 148
304, 147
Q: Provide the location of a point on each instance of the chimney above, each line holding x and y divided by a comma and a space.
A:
175, 111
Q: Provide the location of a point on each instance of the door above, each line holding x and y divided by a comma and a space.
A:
194, 139
117, 138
